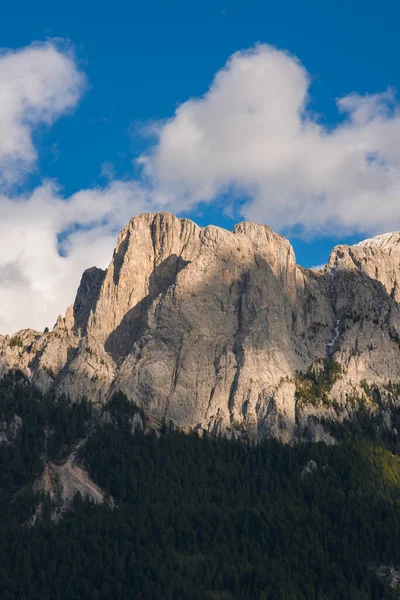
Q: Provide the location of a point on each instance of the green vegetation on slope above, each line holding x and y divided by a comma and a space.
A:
313, 387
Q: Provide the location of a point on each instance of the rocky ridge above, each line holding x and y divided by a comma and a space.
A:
223, 331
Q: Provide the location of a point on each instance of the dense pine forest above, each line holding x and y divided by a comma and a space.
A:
190, 517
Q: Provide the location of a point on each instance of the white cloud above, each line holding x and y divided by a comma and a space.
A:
252, 135
37, 85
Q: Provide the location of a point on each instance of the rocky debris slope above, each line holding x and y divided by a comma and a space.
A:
61, 482
223, 331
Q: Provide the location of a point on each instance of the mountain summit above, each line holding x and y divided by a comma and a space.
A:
222, 331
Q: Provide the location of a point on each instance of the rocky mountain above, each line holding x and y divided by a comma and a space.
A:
222, 331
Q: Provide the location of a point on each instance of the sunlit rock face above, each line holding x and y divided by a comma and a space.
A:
217, 330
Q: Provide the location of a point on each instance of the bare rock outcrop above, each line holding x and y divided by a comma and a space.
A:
219, 330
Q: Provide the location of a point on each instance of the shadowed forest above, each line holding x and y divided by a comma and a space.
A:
194, 517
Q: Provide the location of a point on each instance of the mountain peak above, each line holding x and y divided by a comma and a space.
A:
216, 330
385, 241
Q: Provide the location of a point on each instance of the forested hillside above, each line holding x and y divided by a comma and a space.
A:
192, 517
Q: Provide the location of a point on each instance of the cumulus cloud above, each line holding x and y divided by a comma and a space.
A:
37, 85
253, 137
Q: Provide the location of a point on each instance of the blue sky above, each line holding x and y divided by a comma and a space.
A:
143, 60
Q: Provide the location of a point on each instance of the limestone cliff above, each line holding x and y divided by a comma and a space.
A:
222, 331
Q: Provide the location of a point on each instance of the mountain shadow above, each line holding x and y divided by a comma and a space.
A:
134, 323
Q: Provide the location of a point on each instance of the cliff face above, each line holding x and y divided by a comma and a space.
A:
222, 330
